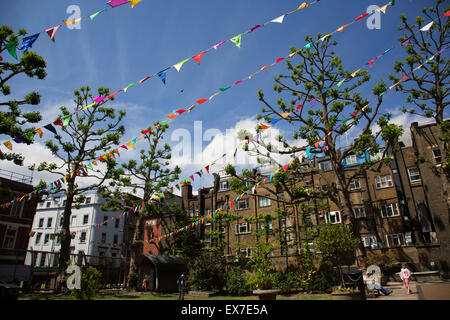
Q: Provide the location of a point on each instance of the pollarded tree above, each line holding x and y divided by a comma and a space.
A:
86, 136
148, 177
322, 107
12, 117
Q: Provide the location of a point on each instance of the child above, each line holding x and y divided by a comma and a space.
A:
405, 274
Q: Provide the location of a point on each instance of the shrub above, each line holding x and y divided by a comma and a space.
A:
90, 285
285, 281
237, 283
319, 283
207, 272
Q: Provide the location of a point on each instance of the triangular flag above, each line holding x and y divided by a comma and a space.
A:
217, 45
279, 19
130, 143
8, 144
58, 122
215, 94
162, 75
181, 111
171, 116
198, 57
27, 42
341, 29
255, 27
98, 99
51, 128
284, 114
224, 89
325, 36
279, 59
285, 167
134, 2
307, 46
116, 3
383, 8
312, 102
406, 42
92, 16
237, 40
447, 14
299, 106
130, 85
68, 23
207, 169
144, 79
11, 47
361, 16
180, 64
265, 67
39, 131
201, 101
371, 62
264, 127
51, 32
427, 27
237, 82
66, 120
354, 73
303, 5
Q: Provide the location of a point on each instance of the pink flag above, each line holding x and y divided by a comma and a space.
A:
285, 167
98, 99
116, 3
51, 32
217, 45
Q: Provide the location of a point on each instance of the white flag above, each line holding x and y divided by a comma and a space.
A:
427, 27
279, 19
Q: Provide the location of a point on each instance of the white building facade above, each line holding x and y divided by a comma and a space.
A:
90, 235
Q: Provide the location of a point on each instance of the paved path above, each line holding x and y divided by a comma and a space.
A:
438, 290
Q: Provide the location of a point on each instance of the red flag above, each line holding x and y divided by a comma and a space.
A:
361, 16
112, 95
51, 32
355, 113
207, 168
201, 101
146, 78
58, 123
279, 59
237, 82
447, 14
180, 111
371, 62
299, 106
198, 57
146, 131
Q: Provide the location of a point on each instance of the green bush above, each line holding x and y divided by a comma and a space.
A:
207, 272
237, 283
285, 281
260, 280
319, 283
90, 285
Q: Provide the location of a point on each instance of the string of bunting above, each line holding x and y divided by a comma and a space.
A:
266, 180
132, 143
28, 42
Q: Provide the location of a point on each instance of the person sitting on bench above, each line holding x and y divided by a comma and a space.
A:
372, 282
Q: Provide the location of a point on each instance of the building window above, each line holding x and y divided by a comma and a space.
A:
325, 165
369, 241
61, 221
360, 212
243, 228
242, 204
38, 238
414, 174
49, 222
83, 237
73, 220
17, 209
88, 200
64, 203
116, 223
389, 210
333, 217
223, 185
85, 219
48, 204
355, 185
41, 223
269, 225
105, 220
246, 252
10, 238
42, 262
116, 239
263, 202
394, 240
46, 238
437, 155
103, 237
352, 159
383, 181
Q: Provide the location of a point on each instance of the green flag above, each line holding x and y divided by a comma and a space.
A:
224, 89
92, 16
340, 83
66, 120
308, 45
237, 40
11, 47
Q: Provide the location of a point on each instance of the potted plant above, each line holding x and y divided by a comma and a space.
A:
341, 293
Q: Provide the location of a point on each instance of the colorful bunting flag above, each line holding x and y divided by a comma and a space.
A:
51, 32
217, 45
116, 3
94, 15
27, 42
237, 40
49, 127
198, 57
134, 2
162, 75
8, 144
11, 47
427, 27
279, 19
180, 64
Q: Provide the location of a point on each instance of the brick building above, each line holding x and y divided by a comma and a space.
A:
399, 208
15, 224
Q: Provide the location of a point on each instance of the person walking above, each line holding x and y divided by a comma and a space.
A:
405, 274
180, 283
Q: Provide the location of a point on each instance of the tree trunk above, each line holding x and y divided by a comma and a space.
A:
135, 250
64, 252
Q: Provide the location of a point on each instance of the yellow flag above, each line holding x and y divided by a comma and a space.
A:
39, 131
8, 144
179, 64
325, 36
285, 114
131, 144
365, 107
88, 106
215, 94
134, 2
68, 23
354, 73
383, 8
303, 5
341, 29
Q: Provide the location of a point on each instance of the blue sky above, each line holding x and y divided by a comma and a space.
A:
123, 45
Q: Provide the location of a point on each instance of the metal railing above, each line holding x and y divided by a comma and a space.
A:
14, 176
